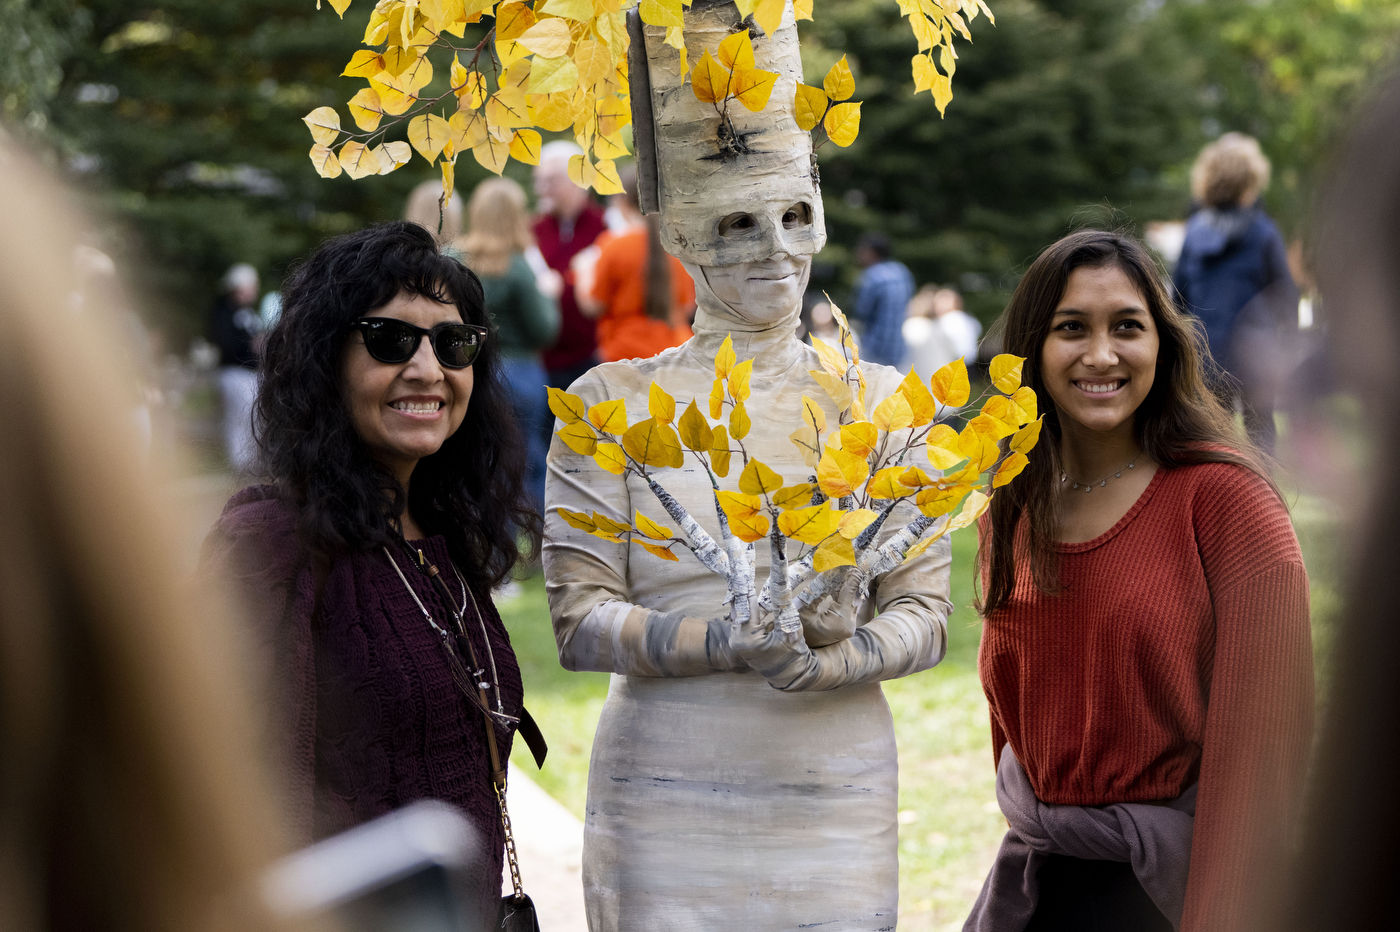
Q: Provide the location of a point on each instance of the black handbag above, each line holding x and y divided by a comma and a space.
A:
517, 914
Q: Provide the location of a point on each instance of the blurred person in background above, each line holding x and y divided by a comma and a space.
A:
132, 793
1233, 275
641, 297
526, 321
234, 328
1146, 648
568, 222
929, 348
367, 564
1343, 878
425, 208
881, 296
961, 327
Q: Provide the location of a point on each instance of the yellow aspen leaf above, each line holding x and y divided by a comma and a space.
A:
736, 51
581, 171
695, 430
944, 451
579, 437
801, 9
1025, 439
607, 181
610, 458
578, 10
550, 75
831, 359
675, 37
971, 510
553, 113
377, 29
737, 504
923, 71
793, 496
921, 403
745, 7
894, 413
652, 443
392, 101
856, 521
858, 402
950, 385
1001, 408
392, 155
433, 12
525, 146
749, 528
1009, 469
610, 417
813, 414
724, 360
468, 129
993, 427
923, 544
340, 6
808, 444
810, 525
449, 151
547, 38
752, 87
840, 473
833, 552
593, 60
834, 386
578, 519
613, 114
886, 484
1005, 372
758, 479
717, 398
396, 62
809, 106
512, 20
1023, 403
428, 132
365, 109
568, 408
611, 27
363, 64
739, 422
607, 148
739, 380
492, 154
915, 478
948, 59
448, 180
924, 31
709, 80
934, 503
515, 82
719, 452
661, 405
609, 526
859, 439
842, 123
769, 15
661, 12
839, 83
506, 113
656, 551
327, 165
980, 447
650, 528
942, 91
324, 124
418, 75
358, 161
958, 24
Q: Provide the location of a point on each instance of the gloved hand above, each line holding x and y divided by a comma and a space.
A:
781, 657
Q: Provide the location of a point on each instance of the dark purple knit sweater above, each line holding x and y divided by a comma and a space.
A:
363, 694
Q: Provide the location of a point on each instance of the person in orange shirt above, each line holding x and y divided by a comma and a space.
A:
642, 298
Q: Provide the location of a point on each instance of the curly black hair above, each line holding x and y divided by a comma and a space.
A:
471, 490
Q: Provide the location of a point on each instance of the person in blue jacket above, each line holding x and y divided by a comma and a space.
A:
1233, 275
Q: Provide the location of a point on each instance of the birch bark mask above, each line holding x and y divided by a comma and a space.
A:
734, 188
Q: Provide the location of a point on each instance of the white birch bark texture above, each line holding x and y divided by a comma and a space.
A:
715, 800
699, 182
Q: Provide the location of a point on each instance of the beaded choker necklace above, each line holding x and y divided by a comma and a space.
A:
1089, 486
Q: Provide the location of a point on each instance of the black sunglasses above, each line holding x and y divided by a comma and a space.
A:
395, 341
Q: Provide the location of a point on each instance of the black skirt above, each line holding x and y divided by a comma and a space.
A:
1093, 896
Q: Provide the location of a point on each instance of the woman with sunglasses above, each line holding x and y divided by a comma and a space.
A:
368, 561
1146, 650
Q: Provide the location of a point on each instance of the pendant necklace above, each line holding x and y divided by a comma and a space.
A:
1089, 486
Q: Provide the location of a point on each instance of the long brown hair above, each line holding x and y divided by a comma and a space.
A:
498, 227
660, 301
1179, 423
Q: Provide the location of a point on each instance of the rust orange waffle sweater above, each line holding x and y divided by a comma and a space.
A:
1179, 649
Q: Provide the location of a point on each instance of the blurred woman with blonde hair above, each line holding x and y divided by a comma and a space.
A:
496, 247
1233, 275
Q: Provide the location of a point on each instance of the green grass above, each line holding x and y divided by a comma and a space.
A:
949, 823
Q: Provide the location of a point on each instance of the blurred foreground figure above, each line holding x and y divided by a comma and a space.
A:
1346, 874
929, 346
131, 797
235, 326
1233, 275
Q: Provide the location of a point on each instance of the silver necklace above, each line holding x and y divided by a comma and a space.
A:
1089, 486
457, 614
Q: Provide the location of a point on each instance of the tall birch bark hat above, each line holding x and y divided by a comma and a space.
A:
723, 177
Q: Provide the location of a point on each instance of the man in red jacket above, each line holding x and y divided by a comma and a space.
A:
568, 223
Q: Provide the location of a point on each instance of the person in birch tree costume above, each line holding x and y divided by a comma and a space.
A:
737, 782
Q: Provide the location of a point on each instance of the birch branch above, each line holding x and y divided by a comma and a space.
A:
703, 545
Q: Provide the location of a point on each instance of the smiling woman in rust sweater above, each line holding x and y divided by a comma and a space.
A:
1146, 649
385, 427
